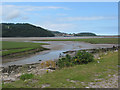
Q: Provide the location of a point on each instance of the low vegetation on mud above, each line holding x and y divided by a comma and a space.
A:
14, 49
89, 40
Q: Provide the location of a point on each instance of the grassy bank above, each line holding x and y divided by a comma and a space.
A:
73, 76
20, 48
89, 40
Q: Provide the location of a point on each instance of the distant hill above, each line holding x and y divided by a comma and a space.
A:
57, 33
24, 30
85, 34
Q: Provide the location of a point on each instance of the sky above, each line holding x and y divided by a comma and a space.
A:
69, 17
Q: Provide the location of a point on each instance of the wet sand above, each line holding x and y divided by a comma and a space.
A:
43, 38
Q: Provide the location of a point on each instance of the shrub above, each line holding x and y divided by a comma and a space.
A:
26, 76
66, 61
82, 57
61, 63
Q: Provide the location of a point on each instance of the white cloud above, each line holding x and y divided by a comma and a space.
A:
86, 18
13, 14
10, 12
14, 11
36, 8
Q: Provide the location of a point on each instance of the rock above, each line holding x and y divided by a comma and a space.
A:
18, 75
12, 71
91, 83
11, 68
9, 79
105, 53
30, 67
82, 82
45, 85
97, 79
72, 81
99, 58
98, 62
28, 70
114, 75
6, 74
68, 79
40, 60
51, 68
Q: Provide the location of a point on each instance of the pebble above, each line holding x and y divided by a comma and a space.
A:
18, 75
29, 70
98, 61
105, 53
7, 79
99, 58
45, 85
72, 81
5, 73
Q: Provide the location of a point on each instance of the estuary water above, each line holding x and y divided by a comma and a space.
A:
56, 48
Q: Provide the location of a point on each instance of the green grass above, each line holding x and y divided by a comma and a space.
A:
83, 73
18, 47
26, 76
15, 51
89, 40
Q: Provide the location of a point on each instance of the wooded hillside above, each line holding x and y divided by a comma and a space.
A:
24, 30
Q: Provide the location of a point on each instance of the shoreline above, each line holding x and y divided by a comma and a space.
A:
13, 72
23, 57
21, 39
62, 45
72, 52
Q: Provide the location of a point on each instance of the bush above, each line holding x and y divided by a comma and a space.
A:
66, 61
82, 57
26, 76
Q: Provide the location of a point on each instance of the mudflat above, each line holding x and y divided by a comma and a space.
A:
56, 47
43, 38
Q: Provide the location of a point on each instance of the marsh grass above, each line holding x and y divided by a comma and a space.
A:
13, 49
88, 40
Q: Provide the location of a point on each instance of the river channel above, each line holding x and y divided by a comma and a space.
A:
56, 48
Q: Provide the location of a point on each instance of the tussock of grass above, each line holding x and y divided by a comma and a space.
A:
26, 76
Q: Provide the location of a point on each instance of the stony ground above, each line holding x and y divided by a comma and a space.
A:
112, 82
15, 74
